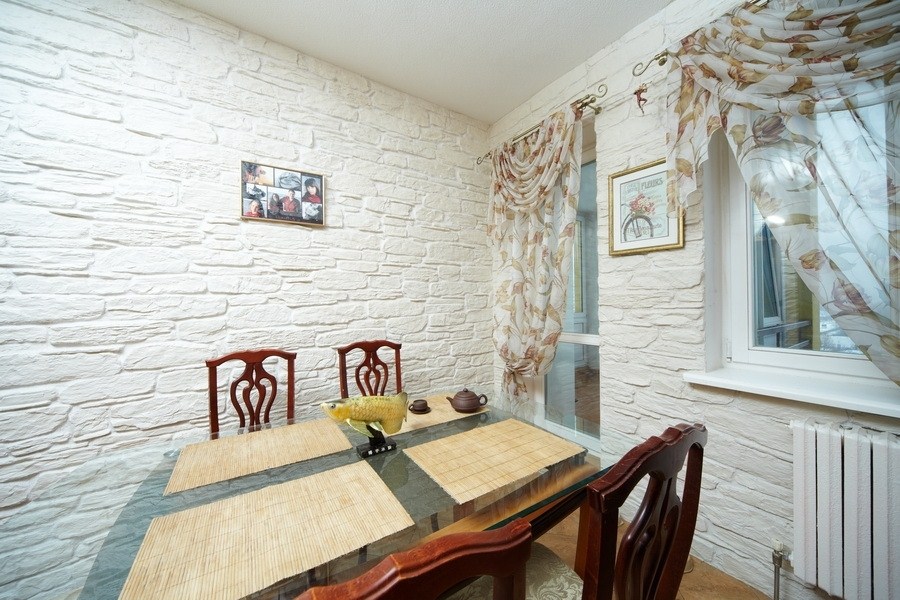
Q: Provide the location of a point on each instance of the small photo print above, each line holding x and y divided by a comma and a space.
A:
288, 180
253, 208
254, 173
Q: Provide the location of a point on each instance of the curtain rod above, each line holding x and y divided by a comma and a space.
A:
661, 58
583, 102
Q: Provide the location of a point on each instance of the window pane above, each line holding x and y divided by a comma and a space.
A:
572, 388
582, 301
786, 315
578, 269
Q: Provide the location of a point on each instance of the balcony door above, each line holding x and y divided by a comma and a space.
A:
568, 397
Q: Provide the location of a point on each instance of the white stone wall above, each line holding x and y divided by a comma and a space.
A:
652, 322
124, 263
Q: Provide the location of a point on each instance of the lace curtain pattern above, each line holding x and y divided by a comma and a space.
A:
807, 95
534, 200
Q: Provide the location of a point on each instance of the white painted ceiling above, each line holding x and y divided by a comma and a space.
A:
482, 58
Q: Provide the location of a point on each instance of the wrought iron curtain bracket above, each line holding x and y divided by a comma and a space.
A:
660, 59
663, 56
589, 100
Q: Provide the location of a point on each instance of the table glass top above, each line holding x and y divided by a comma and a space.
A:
82, 535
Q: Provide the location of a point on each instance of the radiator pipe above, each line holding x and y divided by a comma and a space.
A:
777, 559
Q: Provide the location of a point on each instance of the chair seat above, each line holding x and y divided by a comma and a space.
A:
547, 577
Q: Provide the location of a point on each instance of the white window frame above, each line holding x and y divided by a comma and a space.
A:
844, 381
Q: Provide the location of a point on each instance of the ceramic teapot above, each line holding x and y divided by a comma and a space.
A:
466, 401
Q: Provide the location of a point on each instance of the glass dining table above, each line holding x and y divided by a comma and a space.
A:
82, 537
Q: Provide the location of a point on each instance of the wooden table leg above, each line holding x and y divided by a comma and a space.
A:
463, 510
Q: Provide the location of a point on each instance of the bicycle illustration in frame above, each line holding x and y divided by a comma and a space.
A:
638, 213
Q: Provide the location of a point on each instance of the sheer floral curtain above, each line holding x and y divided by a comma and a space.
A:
534, 200
807, 94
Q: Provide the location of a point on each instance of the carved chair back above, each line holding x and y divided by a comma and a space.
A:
429, 570
652, 555
372, 373
253, 393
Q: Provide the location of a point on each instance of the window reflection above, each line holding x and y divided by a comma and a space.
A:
786, 313
572, 392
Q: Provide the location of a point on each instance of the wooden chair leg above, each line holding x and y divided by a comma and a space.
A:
584, 517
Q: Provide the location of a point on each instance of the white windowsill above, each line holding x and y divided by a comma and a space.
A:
823, 389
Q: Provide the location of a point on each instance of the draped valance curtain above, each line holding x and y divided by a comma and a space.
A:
807, 95
534, 200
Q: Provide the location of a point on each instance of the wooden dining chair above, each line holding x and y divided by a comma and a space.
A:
372, 373
651, 557
429, 570
256, 387
649, 562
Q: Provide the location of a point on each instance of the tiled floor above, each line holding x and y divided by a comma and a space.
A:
702, 582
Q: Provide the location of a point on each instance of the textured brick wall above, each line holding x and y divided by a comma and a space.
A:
124, 263
652, 325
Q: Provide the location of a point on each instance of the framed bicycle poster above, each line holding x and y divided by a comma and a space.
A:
638, 219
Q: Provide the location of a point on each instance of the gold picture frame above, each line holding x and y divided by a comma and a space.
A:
638, 219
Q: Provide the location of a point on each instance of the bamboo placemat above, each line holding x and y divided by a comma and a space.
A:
240, 545
473, 463
441, 412
233, 456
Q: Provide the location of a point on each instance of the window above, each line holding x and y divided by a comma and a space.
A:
568, 397
766, 332
786, 315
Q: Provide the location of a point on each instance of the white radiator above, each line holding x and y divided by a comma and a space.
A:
847, 510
